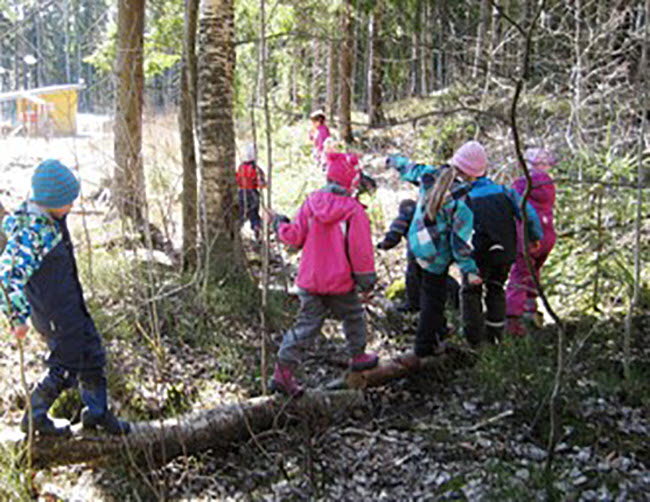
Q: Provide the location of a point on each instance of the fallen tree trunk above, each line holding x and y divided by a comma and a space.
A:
155, 443
438, 367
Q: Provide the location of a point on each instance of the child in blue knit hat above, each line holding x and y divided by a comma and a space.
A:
39, 280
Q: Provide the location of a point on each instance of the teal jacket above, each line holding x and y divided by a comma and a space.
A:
449, 238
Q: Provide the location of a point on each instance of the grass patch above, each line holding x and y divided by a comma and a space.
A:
13, 476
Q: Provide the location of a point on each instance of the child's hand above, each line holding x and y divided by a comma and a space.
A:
366, 296
379, 162
535, 246
20, 331
474, 280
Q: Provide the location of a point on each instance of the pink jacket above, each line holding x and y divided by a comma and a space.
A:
542, 198
333, 232
322, 133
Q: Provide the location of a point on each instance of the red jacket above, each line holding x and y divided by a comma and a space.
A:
250, 176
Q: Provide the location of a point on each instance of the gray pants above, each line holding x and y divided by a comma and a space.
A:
313, 309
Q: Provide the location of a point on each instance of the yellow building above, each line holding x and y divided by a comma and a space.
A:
41, 111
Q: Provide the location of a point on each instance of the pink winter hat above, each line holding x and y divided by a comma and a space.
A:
342, 168
540, 158
471, 159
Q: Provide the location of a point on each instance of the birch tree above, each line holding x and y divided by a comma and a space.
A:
216, 68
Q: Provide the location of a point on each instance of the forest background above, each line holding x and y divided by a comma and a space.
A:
191, 308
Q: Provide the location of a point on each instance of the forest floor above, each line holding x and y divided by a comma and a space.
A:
478, 433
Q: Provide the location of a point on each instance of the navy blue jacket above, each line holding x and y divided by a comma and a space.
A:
496, 211
59, 311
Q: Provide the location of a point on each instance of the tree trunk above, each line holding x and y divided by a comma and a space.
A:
66, 39
316, 72
156, 443
375, 74
332, 80
187, 115
216, 69
415, 51
479, 53
345, 77
644, 105
129, 171
3, 237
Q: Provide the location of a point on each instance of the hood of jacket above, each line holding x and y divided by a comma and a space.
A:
330, 208
28, 215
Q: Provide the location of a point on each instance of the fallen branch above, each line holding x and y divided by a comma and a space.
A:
156, 443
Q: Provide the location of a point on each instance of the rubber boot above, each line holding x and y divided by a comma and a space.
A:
41, 400
96, 413
284, 381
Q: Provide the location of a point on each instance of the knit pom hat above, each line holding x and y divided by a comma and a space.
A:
342, 168
540, 158
249, 153
54, 185
471, 159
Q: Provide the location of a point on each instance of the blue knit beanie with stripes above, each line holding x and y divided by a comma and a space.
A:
54, 185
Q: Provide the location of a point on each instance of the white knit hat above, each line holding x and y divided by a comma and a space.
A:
249, 153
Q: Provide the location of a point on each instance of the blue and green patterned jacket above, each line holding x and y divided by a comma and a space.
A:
31, 235
449, 238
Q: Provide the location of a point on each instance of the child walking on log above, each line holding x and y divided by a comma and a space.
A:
39, 279
440, 233
337, 263
496, 211
521, 294
250, 180
398, 229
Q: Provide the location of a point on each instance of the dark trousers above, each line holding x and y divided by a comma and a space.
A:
414, 278
432, 325
249, 208
92, 385
488, 327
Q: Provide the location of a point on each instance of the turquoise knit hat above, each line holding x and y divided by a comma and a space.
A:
54, 185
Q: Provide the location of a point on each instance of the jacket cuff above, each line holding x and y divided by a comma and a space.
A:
278, 219
397, 162
365, 282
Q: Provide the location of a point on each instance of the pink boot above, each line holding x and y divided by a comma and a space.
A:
283, 381
514, 327
364, 361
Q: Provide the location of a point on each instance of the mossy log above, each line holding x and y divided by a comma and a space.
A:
155, 443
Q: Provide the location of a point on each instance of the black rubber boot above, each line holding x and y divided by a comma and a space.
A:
96, 413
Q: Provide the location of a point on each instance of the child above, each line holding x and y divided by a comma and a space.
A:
333, 231
439, 234
318, 135
250, 179
521, 292
38, 275
496, 213
398, 229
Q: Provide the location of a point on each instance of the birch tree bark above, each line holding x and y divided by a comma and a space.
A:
129, 171
216, 69
479, 53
